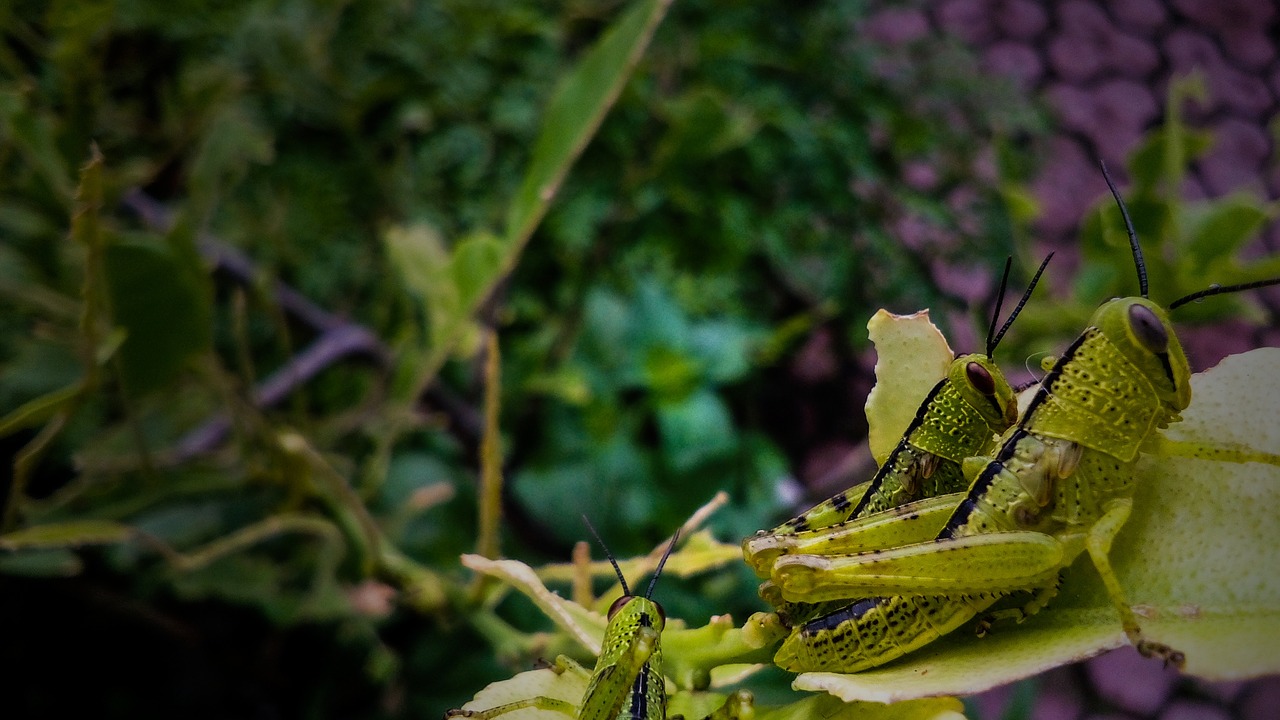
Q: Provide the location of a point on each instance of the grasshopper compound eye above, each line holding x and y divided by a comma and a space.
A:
980, 378
618, 605
1148, 329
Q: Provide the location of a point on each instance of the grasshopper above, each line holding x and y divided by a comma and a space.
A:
960, 417
627, 682
1060, 485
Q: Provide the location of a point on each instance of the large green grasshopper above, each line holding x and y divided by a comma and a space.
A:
627, 683
959, 418
1061, 484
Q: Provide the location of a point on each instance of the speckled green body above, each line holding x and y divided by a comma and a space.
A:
627, 682
955, 421
1062, 473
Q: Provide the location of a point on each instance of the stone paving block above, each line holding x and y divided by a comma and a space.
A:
1190, 710
898, 25
1230, 89
1237, 157
1059, 696
1068, 181
1262, 700
1087, 43
1140, 15
1244, 27
1223, 692
969, 20
1016, 60
1021, 19
1131, 682
1114, 115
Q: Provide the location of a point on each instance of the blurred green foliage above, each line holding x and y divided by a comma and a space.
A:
1187, 245
378, 157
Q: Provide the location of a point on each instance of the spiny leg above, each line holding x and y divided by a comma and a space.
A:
1039, 599
1098, 543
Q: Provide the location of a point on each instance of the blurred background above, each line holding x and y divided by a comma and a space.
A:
255, 257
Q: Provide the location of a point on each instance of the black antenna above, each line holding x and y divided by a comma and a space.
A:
1128, 226
625, 590
648, 594
991, 344
995, 316
1219, 290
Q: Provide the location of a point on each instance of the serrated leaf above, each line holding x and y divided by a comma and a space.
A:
1196, 558
911, 357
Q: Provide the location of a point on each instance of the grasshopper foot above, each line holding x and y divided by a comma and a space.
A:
984, 625
1162, 652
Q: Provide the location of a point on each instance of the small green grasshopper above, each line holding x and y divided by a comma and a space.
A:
627, 683
960, 417
1061, 484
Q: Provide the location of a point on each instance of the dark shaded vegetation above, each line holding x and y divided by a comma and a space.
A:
739, 201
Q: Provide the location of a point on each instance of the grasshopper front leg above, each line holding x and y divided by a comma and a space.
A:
1098, 543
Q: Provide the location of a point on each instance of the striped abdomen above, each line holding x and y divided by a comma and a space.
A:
874, 631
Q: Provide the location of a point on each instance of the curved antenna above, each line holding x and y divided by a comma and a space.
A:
1128, 226
995, 316
991, 344
648, 593
1219, 290
625, 590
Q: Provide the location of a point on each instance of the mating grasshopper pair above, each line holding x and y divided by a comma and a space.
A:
869, 587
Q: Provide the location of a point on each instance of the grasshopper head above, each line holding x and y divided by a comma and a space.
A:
640, 610
1142, 332
983, 387
636, 621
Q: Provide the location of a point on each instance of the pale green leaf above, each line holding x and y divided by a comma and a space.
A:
585, 626
911, 357
420, 258
831, 708
569, 686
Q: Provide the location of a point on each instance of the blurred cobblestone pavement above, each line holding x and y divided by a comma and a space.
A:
1104, 68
